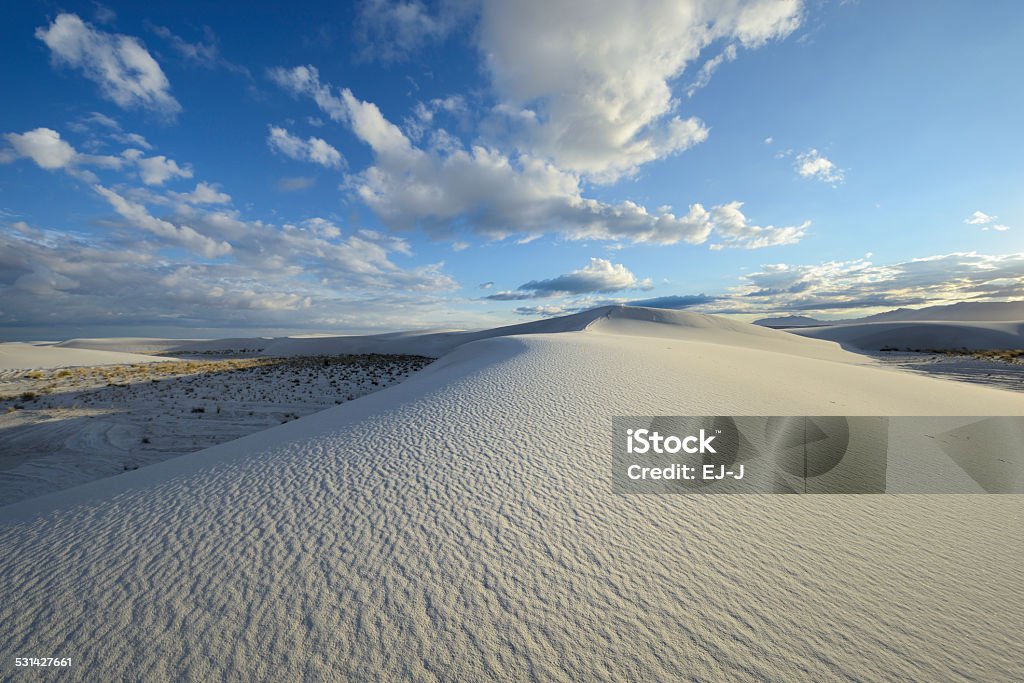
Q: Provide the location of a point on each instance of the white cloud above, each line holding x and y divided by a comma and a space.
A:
812, 164
203, 194
425, 113
102, 120
312, 149
49, 151
736, 231
443, 190
131, 139
99, 281
979, 218
599, 276
986, 221
709, 67
44, 146
591, 91
859, 286
182, 235
316, 246
305, 80
104, 14
126, 73
390, 31
204, 53
769, 140
159, 169
110, 128
546, 310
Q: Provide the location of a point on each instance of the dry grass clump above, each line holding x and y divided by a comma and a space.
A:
1005, 355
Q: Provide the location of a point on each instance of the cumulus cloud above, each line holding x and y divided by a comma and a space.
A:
203, 194
487, 192
599, 276
44, 146
845, 286
315, 247
48, 150
425, 113
979, 218
182, 235
591, 91
736, 231
812, 164
986, 221
126, 73
313, 149
157, 170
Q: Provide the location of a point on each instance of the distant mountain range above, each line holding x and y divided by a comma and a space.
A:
1000, 311
792, 321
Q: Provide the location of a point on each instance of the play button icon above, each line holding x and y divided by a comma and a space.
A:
807, 446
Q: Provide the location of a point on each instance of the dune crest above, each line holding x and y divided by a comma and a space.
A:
461, 525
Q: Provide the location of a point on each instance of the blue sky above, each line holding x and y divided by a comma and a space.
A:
184, 170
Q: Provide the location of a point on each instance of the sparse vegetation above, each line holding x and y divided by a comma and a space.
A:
1002, 355
180, 406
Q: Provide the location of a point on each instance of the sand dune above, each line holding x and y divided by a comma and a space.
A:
126, 344
22, 356
460, 526
910, 336
63, 427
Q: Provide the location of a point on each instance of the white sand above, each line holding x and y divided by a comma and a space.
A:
23, 356
924, 335
96, 423
460, 526
126, 344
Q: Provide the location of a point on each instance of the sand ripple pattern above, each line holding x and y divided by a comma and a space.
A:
460, 526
